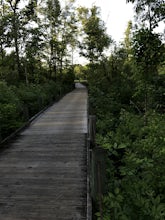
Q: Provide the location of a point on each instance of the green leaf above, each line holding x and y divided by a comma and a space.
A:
121, 146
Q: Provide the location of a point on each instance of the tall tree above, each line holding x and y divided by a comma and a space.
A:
148, 52
128, 38
2, 30
53, 18
61, 28
15, 30
33, 40
95, 39
69, 31
151, 11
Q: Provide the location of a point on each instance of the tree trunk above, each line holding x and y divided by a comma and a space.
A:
145, 104
16, 45
150, 18
2, 51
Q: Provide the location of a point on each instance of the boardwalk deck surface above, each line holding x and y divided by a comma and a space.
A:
43, 172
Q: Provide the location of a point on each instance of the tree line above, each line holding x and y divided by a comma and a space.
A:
35, 37
40, 37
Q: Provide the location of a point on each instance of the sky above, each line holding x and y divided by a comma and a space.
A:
115, 13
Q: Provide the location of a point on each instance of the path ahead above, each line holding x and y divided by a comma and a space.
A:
43, 173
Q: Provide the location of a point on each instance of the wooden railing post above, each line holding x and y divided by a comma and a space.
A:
0, 128
26, 112
0, 136
92, 130
99, 169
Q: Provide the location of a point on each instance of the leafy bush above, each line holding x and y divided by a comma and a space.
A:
9, 110
18, 104
133, 136
137, 179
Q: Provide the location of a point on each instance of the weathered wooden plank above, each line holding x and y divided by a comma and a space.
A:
43, 172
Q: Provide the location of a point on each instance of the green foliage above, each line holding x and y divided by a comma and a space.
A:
148, 52
80, 72
68, 78
150, 11
9, 110
96, 39
18, 104
135, 146
35, 96
7, 69
40, 39
137, 161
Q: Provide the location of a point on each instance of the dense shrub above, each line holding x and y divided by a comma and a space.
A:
9, 110
134, 139
136, 172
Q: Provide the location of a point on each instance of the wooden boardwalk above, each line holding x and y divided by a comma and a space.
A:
43, 172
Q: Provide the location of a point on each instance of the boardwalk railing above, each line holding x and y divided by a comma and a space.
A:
97, 168
92, 130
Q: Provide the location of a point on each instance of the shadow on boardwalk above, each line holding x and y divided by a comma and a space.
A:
43, 172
